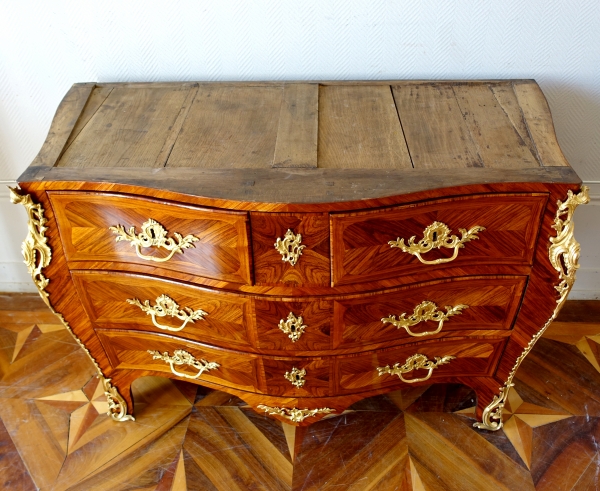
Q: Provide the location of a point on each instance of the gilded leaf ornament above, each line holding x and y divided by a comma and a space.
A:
290, 247
292, 326
37, 254
564, 257
117, 408
296, 377
293, 414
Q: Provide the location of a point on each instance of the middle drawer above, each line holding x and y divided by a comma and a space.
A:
127, 301
464, 306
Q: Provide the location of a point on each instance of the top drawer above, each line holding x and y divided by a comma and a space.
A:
186, 239
466, 231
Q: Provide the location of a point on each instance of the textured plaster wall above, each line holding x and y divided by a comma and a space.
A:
47, 46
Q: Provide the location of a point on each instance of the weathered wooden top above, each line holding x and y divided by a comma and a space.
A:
391, 130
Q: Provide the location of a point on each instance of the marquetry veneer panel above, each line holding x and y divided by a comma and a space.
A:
221, 251
490, 303
325, 376
105, 296
313, 266
316, 314
331, 325
317, 378
129, 350
472, 359
360, 240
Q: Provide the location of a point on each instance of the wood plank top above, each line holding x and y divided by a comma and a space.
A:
399, 126
229, 127
359, 128
435, 130
128, 129
298, 127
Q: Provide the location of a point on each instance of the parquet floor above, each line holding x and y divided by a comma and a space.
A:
54, 434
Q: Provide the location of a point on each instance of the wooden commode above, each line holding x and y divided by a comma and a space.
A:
304, 245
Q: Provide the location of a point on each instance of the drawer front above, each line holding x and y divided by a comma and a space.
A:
123, 301
297, 377
300, 258
499, 229
457, 358
130, 350
431, 309
118, 229
294, 325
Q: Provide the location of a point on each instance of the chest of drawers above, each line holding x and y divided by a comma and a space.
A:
304, 245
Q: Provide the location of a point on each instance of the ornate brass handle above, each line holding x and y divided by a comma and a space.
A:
425, 311
289, 247
436, 236
292, 326
414, 363
153, 234
165, 305
181, 357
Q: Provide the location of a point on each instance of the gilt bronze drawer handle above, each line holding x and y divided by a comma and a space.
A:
289, 247
415, 362
166, 306
153, 234
436, 236
296, 377
425, 311
293, 414
292, 326
181, 357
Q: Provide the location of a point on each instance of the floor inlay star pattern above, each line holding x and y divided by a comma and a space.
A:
84, 406
519, 420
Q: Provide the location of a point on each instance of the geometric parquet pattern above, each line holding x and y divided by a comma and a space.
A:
54, 434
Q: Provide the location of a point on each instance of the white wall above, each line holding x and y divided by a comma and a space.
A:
45, 46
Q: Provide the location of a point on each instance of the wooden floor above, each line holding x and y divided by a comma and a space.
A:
54, 434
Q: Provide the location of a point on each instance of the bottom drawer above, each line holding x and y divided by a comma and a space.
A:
435, 360
130, 350
418, 363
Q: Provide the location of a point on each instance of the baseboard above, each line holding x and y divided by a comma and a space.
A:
584, 295
587, 232
14, 277
17, 288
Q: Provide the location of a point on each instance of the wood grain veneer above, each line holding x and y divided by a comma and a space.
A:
492, 303
349, 167
471, 359
313, 268
361, 239
129, 350
227, 320
221, 251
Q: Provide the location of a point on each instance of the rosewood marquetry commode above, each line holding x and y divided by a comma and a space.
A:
304, 245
